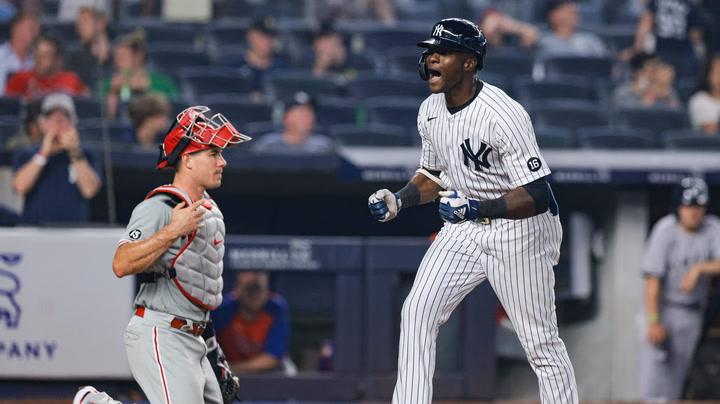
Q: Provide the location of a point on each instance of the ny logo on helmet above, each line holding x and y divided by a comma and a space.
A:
438, 30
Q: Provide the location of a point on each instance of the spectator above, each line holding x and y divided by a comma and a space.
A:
30, 133
676, 27
15, 54
261, 55
131, 78
253, 325
379, 10
297, 135
497, 26
651, 85
150, 116
47, 75
91, 28
58, 177
68, 10
682, 254
704, 106
332, 58
563, 39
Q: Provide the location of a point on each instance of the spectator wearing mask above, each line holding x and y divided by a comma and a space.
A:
131, 77
16, 53
704, 105
91, 28
253, 325
47, 75
150, 116
58, 177
651, 85
297, 136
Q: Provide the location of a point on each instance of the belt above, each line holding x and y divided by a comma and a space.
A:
195, 328
684, 305
483, 220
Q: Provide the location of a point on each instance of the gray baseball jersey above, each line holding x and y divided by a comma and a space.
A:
148, 218
670, 253
485, 149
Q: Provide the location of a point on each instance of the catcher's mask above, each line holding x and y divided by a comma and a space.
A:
194, 131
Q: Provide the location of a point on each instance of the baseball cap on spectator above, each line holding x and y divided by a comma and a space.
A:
266, 25
551, 5
59, 102
299, 98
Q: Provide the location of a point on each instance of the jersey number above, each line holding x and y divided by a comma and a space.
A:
479, 159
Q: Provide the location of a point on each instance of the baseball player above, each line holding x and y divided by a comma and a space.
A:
479, 154
175, 242
681, 253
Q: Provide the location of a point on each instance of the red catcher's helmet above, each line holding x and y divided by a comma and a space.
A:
193, 131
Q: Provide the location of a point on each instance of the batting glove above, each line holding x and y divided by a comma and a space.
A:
455, 207
384, 205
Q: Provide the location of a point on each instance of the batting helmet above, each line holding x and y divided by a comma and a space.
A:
692, 191
193, 131
455, 34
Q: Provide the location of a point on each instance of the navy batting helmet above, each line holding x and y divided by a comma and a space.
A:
456, 34
692, 191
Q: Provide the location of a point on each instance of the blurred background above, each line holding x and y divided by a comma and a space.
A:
625, 101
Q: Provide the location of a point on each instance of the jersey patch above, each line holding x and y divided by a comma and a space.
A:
534, 164
135, 234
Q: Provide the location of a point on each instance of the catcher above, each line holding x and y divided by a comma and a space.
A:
175, 243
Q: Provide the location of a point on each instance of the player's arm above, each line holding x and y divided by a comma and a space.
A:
526, 201
644, 27
656, 333
258, 363
424, 187
708, 268
137, 256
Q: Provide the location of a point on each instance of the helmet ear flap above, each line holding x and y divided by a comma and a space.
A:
422, 66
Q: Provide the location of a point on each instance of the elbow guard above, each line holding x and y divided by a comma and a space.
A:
541, 194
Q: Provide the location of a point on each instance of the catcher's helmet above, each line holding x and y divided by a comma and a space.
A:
692, 191
455, 34
193, 131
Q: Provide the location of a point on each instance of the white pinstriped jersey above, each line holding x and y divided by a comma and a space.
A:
485, 150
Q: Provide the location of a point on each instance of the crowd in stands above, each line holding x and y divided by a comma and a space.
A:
645, 76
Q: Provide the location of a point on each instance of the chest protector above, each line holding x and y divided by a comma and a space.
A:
197, 267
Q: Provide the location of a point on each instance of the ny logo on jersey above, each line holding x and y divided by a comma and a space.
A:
480, 159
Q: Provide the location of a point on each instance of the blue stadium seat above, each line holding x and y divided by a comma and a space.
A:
571, 114
228, 35
337, 110
172, 57
63, 31
237, 111
529, 91
509, 62
10, 106
553, 137
401, 111
87, 107
618, 36
257, 129
7, 130
371, 135
200, 82
377, 85
597, 68
382, 38
615, 138
91, 130
690, 140
657, 120
284, 85
403, 59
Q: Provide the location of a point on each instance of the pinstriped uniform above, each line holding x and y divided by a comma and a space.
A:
515, 256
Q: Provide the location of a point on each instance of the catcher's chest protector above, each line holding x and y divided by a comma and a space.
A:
199, 263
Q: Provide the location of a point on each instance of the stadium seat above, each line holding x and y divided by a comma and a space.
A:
615, 138
528, 91
7, 130
337, 110
225, 35
87, 107
91, 130
199, 82
63, 31
402, 59
376, 86
10, 106
618, 36
572, 114
189, 37
400, 111
257, 129
509, 63
171, 57
597, 68
382, 38
237, 111
690, 139
552, 137
371, 135
657, 120
284, 85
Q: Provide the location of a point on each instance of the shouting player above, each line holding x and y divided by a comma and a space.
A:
479, 154
175, 241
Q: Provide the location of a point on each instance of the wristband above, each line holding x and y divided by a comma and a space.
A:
653, 318
39, 159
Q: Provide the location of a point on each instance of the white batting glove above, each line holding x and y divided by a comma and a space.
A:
384, 205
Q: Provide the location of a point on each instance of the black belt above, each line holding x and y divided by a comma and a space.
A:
684, 305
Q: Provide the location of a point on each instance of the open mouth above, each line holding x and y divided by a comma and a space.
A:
434, 75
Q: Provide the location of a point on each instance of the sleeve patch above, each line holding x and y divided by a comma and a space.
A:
534, 164
135, 234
